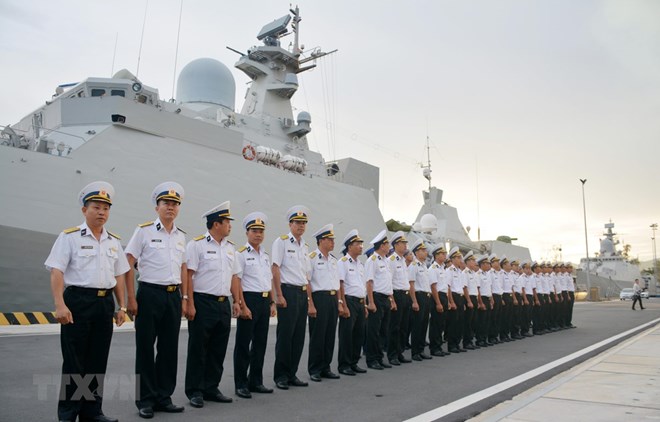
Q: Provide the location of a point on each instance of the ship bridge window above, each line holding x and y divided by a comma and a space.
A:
118, 93
98, 92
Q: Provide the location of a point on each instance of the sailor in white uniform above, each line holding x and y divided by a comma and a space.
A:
400, 318
439, 293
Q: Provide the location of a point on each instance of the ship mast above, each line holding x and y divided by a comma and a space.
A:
427, 168
296, 27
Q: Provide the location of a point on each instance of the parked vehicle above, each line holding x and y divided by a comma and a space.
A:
626, 293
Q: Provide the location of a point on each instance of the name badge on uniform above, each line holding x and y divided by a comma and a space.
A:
291, 251
87, 247
210, 252
157, 240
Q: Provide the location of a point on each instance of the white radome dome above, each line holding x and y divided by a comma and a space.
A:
206, 81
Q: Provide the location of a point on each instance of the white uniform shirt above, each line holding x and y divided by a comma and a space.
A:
518, 283
569, 282
554, 283
472, 281
292, 258
485, 283
253, 268
496, 280
507, 281
418, 273
213, 264
542, 284
159, 254
323, 272
376, 269
352, 273
85, 261
437, 277
400, 277
455, 279
530, 284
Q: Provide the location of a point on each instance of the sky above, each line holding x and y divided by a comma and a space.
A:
519, 99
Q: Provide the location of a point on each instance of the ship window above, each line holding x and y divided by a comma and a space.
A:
98, 92
118, 93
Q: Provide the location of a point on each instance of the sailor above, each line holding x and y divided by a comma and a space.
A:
486, 291
555, 292
159, 249
380, 301
565, 303
290, 266
542, 293
324, 305
439, 293
518, 300
420, 288
252, 283
571, 293
496, 313
210, 262
471, 314
400, 318
353, 290
459, 293
538, 298
507, 299
87, 264
529, 297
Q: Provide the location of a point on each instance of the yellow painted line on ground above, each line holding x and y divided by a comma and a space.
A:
3, 320
41, 318
22, 319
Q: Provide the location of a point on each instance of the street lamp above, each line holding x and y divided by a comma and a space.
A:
586, 241
654, 227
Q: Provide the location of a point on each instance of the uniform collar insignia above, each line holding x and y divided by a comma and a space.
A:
158, 226
83, 232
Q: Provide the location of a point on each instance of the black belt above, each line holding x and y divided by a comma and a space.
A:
507, 294
264, 295
326, 292
424, 293
407, 292
168, 288
214, 297
376, 294
291, 286
90, 291
355, 299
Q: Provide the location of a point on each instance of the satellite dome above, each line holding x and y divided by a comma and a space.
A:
429, 223
304, 116
206, 81
607, 247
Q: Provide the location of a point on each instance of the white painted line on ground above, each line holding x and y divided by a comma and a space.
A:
454, 406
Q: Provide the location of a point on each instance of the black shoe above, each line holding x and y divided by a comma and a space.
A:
395, 362
528, 335
218, 397
404, 359
453, 350
481, 344
296, 382
315, 377
425, 356
261, 389
469, 346
103, 418
243, 393
385, 365
417, 357
518, 337
146, 412
358, 370
168, 408
438, 353
282, 385
347, 371
375, 365
197, 401
462, 350
330, 375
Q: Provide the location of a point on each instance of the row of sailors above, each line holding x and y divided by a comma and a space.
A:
379, 304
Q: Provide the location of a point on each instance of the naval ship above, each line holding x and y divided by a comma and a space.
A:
119, 130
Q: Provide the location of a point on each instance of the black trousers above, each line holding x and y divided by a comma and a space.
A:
517, 315
571, 301
85, 347
455, 321
251, 340
158, 322
420, 323
322, 332
564, 308
438, 323
483, 327
506, 321
351, 333
399, 324
637, 298
471, 322
528, 314
291, 322
496, 316
208, 335
377, 328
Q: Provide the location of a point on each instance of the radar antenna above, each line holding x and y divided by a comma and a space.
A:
426, 169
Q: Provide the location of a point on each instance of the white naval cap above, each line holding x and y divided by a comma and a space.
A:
167, 190
218, 212
439, 248
534, 264
482, 259
325, 232
469, 255
454, 252
524, 262
418, 244
515, 261
380, 237
503, 259
398, 237
492, 258
97, 191
352, 236
297, 213
255, 220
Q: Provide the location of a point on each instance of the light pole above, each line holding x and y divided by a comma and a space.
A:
586, 240
654, 227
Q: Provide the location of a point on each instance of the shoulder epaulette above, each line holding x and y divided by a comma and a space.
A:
242, 248
284, 237
113, 235
71, 230
373, 257
200, 237
312, 255
231, 242
344, 259
392, 258
147, 224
